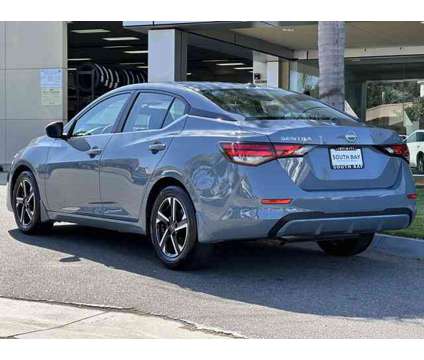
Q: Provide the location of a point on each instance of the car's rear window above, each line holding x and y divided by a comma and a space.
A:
269, 104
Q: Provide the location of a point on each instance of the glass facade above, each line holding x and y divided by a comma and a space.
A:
386, 92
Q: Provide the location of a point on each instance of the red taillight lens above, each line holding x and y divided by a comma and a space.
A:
259, 153
276, 201
248, 153
412, 196
400, 150
287, 150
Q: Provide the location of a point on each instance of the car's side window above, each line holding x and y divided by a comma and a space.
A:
101, 118
177, 109
412, 138
148, 112
420, 136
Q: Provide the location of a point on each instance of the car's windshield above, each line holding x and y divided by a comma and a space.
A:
269, 104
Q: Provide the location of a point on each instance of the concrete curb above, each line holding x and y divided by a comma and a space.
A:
399, 246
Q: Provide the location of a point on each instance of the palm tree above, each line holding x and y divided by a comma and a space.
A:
331, 45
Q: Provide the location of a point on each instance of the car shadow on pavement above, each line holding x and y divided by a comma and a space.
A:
296, 278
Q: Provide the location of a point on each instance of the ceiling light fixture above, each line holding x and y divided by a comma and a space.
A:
142, 67
136, 51
123, 38
132, 63
244, 68
90, 31
117, 46
79, 59
230, 64
213, 61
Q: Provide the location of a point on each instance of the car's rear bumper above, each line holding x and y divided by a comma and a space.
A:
316, 224
307, 222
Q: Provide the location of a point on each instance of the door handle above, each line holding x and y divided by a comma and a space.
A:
94, 151
156, 147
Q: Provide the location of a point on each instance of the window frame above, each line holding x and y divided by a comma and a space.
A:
136, 95
91, 106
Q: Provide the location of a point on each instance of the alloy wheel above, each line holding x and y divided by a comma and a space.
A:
171, 227
25, 202
421, 165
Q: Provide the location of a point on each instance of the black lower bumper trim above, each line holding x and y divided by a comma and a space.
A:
320, 215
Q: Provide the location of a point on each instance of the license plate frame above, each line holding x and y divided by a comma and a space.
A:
347, 162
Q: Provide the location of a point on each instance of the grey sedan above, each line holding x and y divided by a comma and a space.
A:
192, 164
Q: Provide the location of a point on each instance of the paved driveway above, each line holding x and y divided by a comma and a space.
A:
256, 289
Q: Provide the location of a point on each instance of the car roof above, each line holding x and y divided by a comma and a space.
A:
191, 92
189, 86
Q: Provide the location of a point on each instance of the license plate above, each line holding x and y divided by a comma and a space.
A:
346, 158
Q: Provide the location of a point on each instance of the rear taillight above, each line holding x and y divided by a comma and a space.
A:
400, 150
259, 153
412, 196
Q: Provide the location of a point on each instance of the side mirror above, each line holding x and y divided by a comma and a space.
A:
55, 130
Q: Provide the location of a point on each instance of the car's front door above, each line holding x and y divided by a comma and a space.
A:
72, 183
132, 155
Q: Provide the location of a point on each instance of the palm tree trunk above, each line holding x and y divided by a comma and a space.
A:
331, 45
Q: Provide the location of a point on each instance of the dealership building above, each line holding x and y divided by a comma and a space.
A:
51, 70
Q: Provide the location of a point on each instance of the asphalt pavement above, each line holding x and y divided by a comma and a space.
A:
257, 289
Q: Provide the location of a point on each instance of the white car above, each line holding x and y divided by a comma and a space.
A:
415, 143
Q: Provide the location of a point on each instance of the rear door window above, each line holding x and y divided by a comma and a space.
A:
148, 112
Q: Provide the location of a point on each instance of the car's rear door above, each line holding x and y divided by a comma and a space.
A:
72, 182
132, 154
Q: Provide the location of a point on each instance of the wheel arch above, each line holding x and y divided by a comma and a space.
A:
156, 189
18, 169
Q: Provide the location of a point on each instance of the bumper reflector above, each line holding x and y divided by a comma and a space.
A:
412, 196
276, 201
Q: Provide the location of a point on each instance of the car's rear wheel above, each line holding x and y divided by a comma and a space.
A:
347, 247
420, 164
173, 230
26, 205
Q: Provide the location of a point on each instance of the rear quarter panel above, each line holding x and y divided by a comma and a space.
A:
215, 184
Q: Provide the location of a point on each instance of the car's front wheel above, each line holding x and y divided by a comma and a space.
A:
173, 230
346, 247
26, 204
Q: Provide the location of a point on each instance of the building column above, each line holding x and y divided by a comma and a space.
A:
33, 81
270, 70
167, 59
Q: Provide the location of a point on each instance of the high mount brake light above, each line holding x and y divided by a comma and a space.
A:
400, 150
259, 153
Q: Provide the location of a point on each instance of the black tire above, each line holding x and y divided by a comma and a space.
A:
174, 237
346, 247
26, 205
420, 164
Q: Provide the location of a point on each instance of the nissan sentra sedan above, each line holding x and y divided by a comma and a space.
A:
192, 164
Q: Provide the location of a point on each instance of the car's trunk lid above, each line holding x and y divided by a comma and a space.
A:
317, 171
